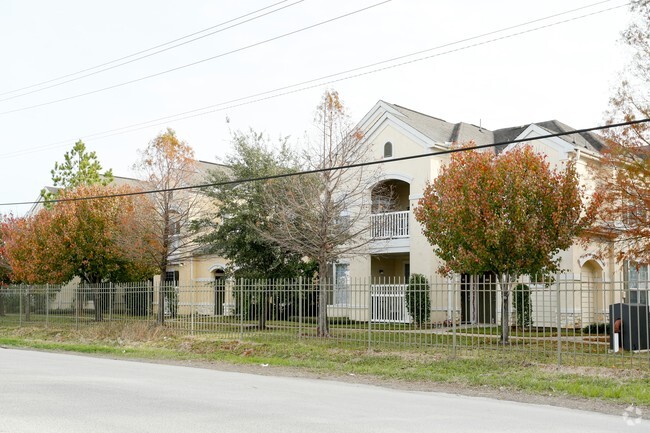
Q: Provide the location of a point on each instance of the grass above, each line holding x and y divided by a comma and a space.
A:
525, 332
611, 379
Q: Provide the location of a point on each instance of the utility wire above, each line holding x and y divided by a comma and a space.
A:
341, 167
157, 74
147, 50
309, 84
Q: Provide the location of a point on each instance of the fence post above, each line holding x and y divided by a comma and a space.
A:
149, 301
558, 318
78, 306
299, 308
110, 302
47, 305
192, 287
453, 316
20, 305
369, 313
241, 310
28, 303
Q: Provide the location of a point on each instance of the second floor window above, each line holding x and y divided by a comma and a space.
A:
388, 150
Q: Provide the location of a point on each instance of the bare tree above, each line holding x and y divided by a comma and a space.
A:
168, 163
324, 215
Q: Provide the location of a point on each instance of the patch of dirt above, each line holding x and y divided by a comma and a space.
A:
605, 372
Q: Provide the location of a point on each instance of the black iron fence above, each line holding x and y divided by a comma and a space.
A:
561, 319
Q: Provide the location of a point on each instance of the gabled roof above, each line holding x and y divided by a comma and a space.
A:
436, 129
585, 140
442, 131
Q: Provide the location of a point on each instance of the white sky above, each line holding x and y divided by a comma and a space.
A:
563, 72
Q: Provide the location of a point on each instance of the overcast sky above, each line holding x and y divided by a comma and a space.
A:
563, 71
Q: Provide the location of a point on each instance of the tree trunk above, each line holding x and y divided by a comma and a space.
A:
504, 282
99, 304
323, 329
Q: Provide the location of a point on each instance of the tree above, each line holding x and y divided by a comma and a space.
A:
97, 240
5, 269
324, 215
233, 230
166, 164
507, 214
79, 168
622, 194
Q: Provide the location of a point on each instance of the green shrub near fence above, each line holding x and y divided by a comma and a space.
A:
523, 306
418, 299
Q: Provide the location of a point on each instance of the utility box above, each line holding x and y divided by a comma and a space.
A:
634, 331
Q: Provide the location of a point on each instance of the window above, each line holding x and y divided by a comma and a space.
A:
388, 149
171, 277
637, 283
174, 223
344, 221
341, 283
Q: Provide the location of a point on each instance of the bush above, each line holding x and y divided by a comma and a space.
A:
418, 299
596, 328
523, 306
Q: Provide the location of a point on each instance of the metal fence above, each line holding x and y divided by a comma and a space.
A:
556, 320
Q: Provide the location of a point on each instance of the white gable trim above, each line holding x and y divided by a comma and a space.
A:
379, 109
556, 143
382, 115
413, 134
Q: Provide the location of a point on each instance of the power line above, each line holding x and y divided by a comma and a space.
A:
147, 50
341, 167
157, 74
317, 82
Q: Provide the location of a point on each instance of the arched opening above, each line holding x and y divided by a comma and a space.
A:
219, 291
593, 296
390, 209
390, 195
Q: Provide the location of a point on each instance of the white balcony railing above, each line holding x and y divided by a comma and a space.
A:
389, 303
390, 225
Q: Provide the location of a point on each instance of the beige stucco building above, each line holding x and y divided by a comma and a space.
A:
398, 248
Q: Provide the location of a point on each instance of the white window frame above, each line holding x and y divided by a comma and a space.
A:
341, 286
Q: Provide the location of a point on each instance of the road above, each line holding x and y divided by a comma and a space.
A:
50, 392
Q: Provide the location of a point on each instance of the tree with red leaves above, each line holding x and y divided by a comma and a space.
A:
622, 193
98, 240
507, 214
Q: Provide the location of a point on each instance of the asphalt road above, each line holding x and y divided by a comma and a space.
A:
50, 392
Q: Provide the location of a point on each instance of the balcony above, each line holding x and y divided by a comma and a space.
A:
390, 225
389, 232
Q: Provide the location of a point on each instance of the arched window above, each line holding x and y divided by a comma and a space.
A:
388, 149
